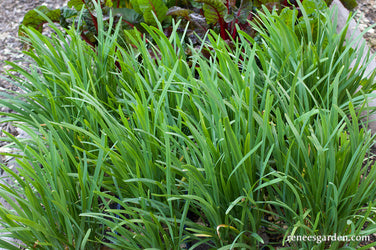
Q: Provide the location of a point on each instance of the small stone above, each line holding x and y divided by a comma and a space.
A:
362, 26
372, 42
3, 36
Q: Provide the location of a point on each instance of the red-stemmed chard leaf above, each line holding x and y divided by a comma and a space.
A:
214, 12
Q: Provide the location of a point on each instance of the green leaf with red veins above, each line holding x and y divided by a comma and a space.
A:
245, 9
213, 10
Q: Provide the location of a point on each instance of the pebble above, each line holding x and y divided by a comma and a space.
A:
372, 42
366, 15
11, 14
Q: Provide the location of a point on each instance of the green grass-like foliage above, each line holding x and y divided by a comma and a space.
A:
33, 19
178, 150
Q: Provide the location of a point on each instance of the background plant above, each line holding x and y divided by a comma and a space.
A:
225, 17
309, 58
176, 153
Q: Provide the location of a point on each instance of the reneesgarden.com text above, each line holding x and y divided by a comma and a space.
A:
323, 238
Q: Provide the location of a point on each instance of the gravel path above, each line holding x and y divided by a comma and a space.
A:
11, 15
366, 15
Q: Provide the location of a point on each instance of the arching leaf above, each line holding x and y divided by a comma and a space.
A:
213, 10
36, 21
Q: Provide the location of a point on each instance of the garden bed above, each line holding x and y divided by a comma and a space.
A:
190, 169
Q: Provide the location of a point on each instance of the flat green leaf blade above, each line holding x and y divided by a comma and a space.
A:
148, 7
